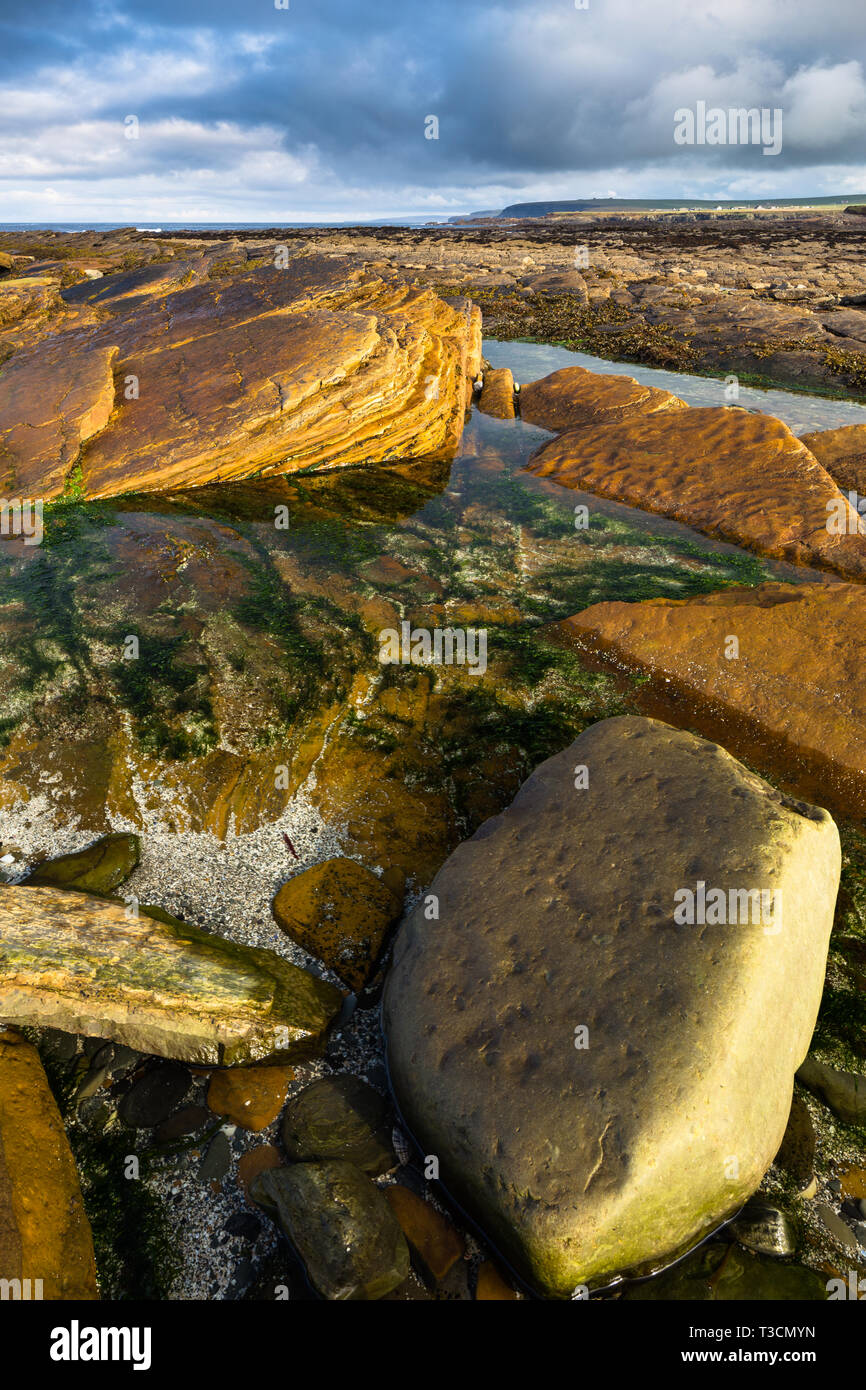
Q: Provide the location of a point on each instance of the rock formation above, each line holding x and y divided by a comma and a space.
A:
46, 1250
604, 1075
80, 964
789, 696
742, 477
151, 386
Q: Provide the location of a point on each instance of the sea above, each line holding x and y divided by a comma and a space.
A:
193, 226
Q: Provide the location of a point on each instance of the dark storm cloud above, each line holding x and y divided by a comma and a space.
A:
530, 95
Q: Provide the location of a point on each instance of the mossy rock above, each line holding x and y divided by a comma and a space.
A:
717, 1273
100, 868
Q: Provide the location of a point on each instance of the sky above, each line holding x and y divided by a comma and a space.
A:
145, 111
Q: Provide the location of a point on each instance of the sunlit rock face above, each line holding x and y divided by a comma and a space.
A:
150, 384
600, 1051
790, 696
740, 476
81, 964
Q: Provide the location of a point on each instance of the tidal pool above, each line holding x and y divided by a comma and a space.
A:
801, 413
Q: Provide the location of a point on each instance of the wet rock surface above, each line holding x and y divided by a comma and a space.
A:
341, 1226
744, 478
100, 868
340, 1117
339, 911
44, 1232
776, 690
81, 962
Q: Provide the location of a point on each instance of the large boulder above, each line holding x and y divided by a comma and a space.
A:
789, 697
603, 1080
46, 1250
80, 964
262, 372
742, 477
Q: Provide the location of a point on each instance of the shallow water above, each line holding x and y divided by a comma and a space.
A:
266, 641
801, 413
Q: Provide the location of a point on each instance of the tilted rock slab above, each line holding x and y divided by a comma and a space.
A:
584, 1161
75, 962
44, 1231
792, 701
742, 477
843, 453
265, 372
574, 396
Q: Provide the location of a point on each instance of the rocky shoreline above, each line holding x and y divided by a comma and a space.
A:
356, 980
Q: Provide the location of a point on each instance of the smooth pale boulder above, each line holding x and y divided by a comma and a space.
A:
44, 1231
742, 477
601, 1083
793, 699
574, 396
78, 963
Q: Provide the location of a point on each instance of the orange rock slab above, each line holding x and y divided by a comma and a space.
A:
44, 1231
574, 396
263, 372
741, 477
793, 699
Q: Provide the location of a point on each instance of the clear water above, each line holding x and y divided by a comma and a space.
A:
801, 413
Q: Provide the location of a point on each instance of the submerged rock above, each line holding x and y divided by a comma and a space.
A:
765, 1229
601, 1055
152, 1098
77, 963
434, 1242
790, 697
44, 1232
341, 1226
340, 1117
720, 1273
742, 477
339, 911
100, 868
